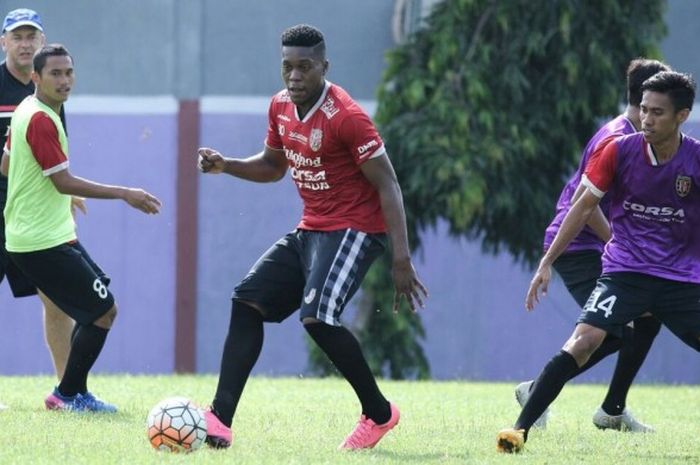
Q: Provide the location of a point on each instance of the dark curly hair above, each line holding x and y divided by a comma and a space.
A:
304, 35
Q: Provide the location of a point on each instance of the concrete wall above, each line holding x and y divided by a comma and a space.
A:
134, 61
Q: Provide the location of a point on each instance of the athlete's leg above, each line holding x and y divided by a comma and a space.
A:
241, 350
88, 341
575, 353
57, 330
343, 349
632, 355
340, 260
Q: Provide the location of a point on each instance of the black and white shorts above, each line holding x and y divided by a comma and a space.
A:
623, 296
316, 271
69, 277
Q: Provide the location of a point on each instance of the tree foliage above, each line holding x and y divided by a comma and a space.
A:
484, 112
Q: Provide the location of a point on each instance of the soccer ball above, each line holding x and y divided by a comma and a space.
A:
175, 424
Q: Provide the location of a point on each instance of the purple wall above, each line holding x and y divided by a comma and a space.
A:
476, 325
136, 251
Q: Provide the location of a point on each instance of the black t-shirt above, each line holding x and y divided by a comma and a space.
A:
12, 92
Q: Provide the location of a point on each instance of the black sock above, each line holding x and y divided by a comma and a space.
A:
632, 354
546, 388
610, 345
87, 344
344, 351
241, 350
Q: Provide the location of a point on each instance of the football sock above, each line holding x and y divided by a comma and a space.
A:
344, 351
241, 350
546, 388
76, 327
632, 354
610, 345
87, 344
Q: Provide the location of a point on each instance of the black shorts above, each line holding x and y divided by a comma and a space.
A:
20, 285
580, 272
69, 277
621, 297
316, 271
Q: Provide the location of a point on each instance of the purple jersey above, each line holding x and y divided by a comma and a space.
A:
654, 208
587, 239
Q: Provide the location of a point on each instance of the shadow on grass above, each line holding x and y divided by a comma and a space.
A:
419, 458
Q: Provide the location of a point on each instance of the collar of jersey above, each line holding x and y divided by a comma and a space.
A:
316, 106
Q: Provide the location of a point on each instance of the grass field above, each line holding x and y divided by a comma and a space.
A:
301, 421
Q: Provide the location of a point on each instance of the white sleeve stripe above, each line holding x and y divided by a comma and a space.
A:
587, 182
379, 152
56, 169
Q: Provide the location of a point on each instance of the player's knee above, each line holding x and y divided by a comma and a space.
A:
310, 320
584, 341
106, 320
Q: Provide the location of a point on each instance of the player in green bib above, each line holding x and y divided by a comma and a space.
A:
37, 215
39, 229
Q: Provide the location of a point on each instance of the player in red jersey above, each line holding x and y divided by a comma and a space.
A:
352, 202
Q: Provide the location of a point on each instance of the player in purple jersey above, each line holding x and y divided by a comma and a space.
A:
580, 266
652, 261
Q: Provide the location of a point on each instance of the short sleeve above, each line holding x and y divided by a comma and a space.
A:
42, 137
600, 169
358, 133
273, 139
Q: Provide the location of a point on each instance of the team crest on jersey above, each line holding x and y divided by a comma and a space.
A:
683, 184
315, 139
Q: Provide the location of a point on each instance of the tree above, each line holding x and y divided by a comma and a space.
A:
484, 112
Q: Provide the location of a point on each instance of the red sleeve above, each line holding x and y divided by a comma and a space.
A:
42, 137
600, 169
273, 139
357, 132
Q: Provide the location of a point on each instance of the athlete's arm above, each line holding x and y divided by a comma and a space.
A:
68, 184
597, 222
574, 221
597, 179
267, 166
4, 164
5, 158
380, 173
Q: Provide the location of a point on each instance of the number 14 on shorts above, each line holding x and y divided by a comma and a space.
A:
594, 303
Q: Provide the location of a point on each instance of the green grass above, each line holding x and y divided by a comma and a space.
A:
301, 421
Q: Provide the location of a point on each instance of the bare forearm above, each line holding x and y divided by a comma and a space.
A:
573, 223
77, 186
600, 225
4, 165
395, 219
255, 168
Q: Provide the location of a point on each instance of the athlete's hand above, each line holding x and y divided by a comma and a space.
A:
407, 284
540, 281
77, 203
142, 200
210, 161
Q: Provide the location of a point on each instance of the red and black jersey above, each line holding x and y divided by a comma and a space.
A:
324, 151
